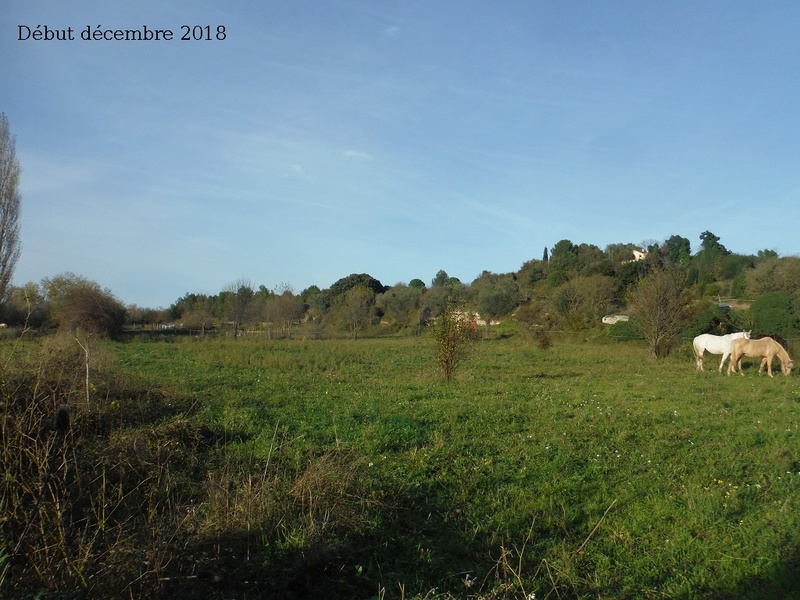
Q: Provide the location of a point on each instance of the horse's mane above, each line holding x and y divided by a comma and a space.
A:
783, 355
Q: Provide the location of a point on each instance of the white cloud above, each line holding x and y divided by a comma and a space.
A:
356, 155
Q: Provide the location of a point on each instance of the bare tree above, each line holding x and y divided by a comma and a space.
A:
286, 309
239, 298
660, 307
10, 202
357, 308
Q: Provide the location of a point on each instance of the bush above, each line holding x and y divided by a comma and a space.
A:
77, 303
624, 331
775, 315
452, 334
714, 319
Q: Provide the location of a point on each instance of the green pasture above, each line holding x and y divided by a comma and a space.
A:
351, 469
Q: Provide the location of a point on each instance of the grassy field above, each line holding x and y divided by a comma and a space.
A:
350, 469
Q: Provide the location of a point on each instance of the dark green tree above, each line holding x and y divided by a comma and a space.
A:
530, 273
776, 314
677, 250
711, 244
564, 256
345, 284
498, 297
440, 279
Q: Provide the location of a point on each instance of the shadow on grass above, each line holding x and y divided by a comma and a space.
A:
413, 550
782, 581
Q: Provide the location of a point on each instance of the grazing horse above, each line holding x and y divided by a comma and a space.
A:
715, 344
764, 347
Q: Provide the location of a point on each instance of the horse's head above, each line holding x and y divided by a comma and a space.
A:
787, 367
747, 334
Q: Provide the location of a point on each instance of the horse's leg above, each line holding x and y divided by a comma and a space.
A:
722, 362
766, 361
698, 358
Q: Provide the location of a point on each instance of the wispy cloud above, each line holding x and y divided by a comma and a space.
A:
356, 155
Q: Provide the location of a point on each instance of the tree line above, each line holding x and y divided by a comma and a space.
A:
569, 289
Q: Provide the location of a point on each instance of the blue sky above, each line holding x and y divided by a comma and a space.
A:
326, 138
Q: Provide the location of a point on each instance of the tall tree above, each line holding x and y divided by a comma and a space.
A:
564, 256
441, 279
10, 202
711, 243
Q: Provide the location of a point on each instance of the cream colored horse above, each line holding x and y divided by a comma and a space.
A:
764, 347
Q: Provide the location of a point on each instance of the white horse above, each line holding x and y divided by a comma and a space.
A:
715, 344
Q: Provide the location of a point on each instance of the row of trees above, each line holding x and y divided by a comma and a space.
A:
570, 289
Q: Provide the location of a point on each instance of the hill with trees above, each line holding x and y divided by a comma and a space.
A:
569, 289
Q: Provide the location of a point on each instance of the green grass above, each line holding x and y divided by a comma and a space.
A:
351, 469
588, 470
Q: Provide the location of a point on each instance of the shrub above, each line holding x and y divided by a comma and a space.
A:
452, 334
78, 303
774, 315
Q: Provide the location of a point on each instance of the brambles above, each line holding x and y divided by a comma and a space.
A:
87, 499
